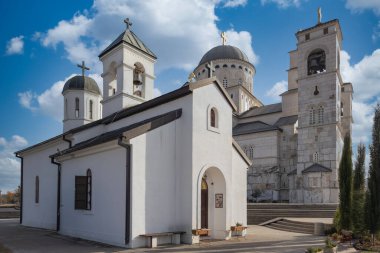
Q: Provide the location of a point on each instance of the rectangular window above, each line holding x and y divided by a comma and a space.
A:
326, 31
307, 36
81, 192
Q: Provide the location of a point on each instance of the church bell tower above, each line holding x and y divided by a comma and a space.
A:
128, 72
320, 128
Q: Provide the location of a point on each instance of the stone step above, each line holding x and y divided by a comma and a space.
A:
289, 229
292, 226
289, 223
292, 206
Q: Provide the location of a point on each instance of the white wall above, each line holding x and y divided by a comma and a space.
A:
38, 163
105, 222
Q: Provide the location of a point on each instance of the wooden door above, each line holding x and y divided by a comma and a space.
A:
204, 204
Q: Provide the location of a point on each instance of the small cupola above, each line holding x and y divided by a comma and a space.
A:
82, 99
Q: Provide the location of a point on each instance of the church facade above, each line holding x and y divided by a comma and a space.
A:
128, 164
296, 144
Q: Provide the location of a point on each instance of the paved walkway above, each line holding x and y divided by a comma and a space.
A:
21, 239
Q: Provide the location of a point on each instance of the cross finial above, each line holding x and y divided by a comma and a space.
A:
319, 15
128, 23
223, 35
210, 68
191, 77
83, 67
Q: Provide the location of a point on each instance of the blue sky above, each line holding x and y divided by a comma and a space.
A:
42, 41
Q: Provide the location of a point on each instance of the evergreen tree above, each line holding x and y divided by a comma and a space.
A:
345, 185
373, 194
358, 197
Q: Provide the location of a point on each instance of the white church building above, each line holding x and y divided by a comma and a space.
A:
128, 165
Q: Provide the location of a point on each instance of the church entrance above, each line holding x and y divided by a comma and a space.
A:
204, 204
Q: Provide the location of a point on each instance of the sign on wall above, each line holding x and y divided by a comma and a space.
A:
219, 200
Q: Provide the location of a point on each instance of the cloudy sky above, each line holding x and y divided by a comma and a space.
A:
42, 41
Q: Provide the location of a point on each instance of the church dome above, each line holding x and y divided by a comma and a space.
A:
224, 52
82, 83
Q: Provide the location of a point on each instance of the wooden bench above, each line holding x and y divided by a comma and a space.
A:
174, 236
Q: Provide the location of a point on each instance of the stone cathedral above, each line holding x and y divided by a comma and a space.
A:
295, 145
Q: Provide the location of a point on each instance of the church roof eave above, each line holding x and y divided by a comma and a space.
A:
241, 153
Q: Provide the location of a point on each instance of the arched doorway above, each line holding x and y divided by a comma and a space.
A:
212, 205
204, 204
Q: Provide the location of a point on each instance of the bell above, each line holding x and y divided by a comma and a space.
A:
137, 78
313, 64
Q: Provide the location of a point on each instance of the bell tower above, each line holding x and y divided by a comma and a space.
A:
320, 130
128, 72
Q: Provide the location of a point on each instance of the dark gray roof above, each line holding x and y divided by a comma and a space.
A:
253, 127
224, 52
284, 121
81, 83
127, 132
267, 109
131, 39
316, 167
293, 172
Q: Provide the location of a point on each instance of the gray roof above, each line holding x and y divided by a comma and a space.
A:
131, 39
224, 52
293, 172
267, 109
81, 83
316, 167
285, 121
127, 132
253, 127
289, 91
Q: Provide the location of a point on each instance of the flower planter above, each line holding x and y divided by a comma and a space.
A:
201, 232
237, 228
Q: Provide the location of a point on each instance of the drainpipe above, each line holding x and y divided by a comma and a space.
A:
67, 140
127, 188
58, 193
21, 184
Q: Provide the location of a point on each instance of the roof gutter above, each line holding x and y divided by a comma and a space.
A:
21, 183
128, 183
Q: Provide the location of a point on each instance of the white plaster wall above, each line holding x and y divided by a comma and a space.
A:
105, 222
239, 188
38, 163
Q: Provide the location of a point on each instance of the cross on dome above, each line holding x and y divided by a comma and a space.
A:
223, 35
319, 15
83, 67
210, 69
128, 23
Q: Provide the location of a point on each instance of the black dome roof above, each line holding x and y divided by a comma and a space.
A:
224, 52
82, 83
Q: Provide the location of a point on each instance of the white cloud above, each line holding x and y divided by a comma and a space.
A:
15, 45
277, 89
360, 5
157, 92
235, 3
364, 75
283, 4
50, 102
9, 164
365, 78
376, 32
176, 34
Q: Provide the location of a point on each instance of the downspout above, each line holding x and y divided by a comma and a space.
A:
127, 189
58, 193
21, 184
67, 140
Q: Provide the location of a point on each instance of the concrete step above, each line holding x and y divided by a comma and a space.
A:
292, 226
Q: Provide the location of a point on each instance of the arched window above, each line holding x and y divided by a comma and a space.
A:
341, 109
320, 114
312, 116
89, 189
37, 190
225, 82
240, 67
66, 108
91, 109
251, 152
76, 107
316, 157
225, 66
138, 79
233, 66
217, 66
316, 62
213, 118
